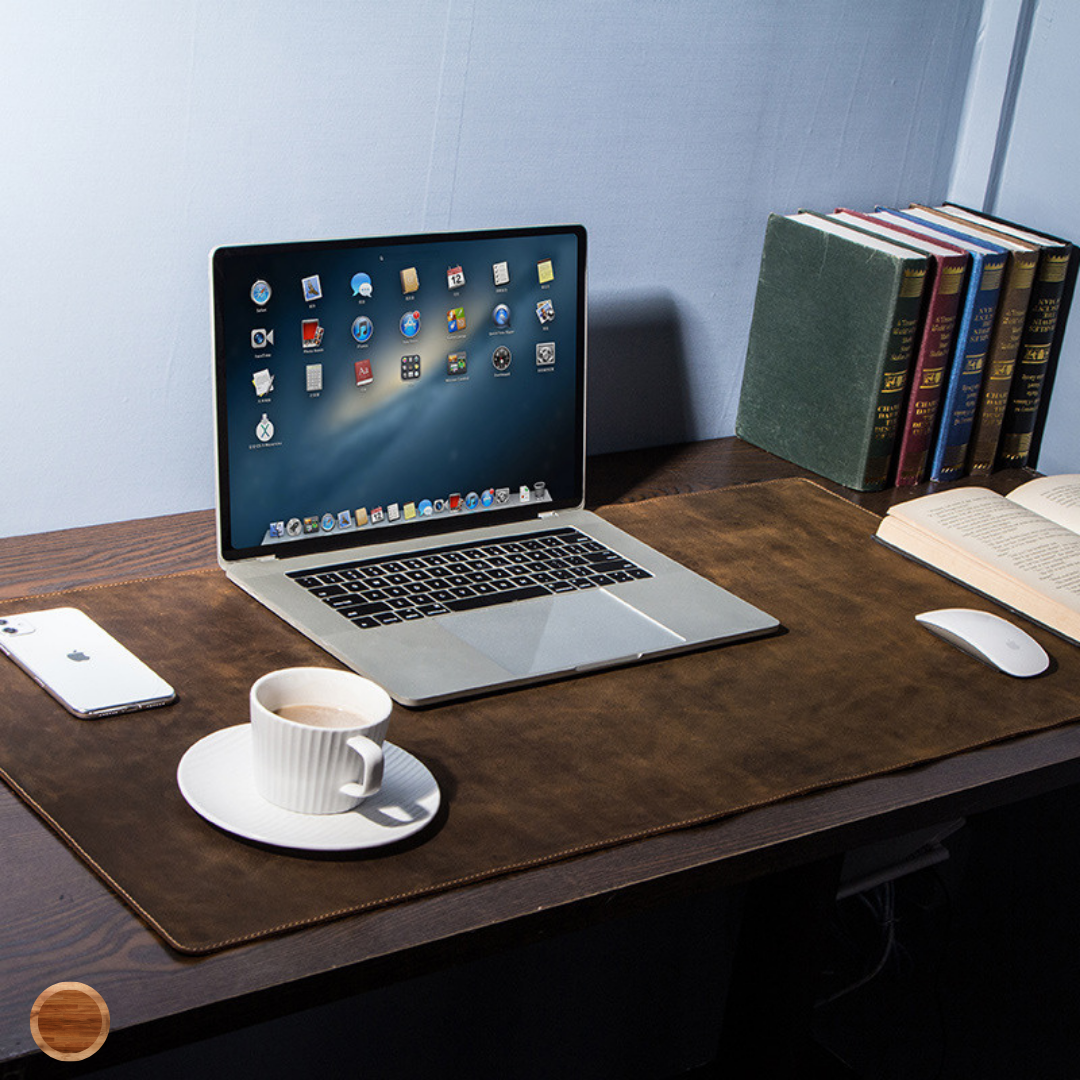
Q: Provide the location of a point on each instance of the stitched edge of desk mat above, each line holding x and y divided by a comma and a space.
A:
852, 688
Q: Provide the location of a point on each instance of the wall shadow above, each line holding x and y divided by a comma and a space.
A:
637, 393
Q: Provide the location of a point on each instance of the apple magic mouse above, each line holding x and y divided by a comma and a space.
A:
989, 638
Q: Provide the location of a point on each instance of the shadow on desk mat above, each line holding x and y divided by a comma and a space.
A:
854, 688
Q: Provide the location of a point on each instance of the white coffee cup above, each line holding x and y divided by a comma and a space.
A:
317, 736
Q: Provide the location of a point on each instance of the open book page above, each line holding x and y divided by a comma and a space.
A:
1055, 497
998, 548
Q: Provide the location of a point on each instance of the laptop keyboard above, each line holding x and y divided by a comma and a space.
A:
423, 584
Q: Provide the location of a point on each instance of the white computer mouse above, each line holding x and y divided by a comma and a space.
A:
989, 638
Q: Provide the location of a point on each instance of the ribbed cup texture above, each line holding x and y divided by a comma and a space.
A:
301, 767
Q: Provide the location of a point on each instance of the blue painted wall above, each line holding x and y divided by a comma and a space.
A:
136, 137
1037, 184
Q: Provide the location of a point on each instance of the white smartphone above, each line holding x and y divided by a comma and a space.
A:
85, 668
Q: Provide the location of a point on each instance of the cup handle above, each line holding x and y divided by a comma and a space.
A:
371, 755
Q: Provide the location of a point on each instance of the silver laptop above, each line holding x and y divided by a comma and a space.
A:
400, 434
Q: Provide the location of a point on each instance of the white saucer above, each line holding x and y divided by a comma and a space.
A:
215, 778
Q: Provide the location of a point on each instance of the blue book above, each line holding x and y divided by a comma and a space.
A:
960, 400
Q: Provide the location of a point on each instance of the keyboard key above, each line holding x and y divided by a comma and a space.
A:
432, 609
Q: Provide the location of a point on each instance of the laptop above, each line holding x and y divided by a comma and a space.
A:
400, 453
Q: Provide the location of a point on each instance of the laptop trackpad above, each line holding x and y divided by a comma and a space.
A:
561, 633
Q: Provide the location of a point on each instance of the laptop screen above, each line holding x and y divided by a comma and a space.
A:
371, 389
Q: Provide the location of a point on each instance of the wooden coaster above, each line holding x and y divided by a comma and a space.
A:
69, 1021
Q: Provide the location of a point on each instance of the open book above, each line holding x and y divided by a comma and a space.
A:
1022, 550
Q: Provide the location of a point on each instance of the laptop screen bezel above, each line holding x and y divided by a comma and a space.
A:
443, 525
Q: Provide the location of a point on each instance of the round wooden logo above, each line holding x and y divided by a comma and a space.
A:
69, 1021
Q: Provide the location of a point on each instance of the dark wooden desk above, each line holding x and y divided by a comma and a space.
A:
60, 923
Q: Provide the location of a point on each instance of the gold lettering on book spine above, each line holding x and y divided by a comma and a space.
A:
1056, 266
1015, 447
992, 275
952, 277
1024, 276
912, 283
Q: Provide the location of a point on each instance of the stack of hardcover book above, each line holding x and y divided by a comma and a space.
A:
900, 346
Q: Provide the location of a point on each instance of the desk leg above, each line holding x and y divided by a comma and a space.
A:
767, 1019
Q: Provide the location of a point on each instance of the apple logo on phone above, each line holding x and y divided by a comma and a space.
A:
77, 654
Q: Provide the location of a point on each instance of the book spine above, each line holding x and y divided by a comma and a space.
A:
928, 377
1036, 345
1001, 361
969, 359
894, 376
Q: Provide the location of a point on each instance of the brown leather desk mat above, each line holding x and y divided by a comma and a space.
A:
852, 688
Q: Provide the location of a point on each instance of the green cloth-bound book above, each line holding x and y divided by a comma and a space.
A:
836, 319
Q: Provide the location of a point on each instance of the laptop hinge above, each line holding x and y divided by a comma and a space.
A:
548, 513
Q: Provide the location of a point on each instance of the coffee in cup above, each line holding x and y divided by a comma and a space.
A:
327, 716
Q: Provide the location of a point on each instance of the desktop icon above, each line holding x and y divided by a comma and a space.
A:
545, 271
410, 367
393, 512
312, 287
361, 517
472, 501
264, 429
364, 375
260, 292
455, 277
453, 502
455, 320
277, 530
377, 515
313, 378
501, 272
328, 522
545, 353
545, 312
501, 315
501, 358
263, 382
362, 329
261, 338
311, 525
524, 494
425, 508
487, 497
456, 363
361, 285
502, 496
410, 324
344, 519
410, 280
410, 511
294, 527
311, 333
